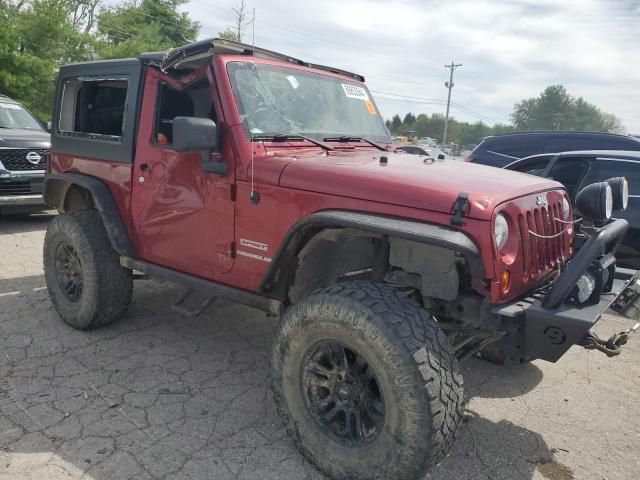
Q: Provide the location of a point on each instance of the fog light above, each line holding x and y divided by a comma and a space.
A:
584, 287
505, 281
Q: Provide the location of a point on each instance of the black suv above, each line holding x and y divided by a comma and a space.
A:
501, 150
24, 153
577, 169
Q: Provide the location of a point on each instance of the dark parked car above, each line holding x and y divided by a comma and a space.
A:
24, 152
578, 169
501, 150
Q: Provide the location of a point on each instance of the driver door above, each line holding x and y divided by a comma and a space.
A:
183, 216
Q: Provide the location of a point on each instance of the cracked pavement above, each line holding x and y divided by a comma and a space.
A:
159, 395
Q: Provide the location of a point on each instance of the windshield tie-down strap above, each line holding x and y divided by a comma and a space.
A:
460, 208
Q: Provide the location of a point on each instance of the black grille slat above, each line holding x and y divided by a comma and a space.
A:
542, 253
15, 189
15, 159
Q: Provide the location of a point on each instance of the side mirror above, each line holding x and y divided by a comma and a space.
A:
440, 156
193, 134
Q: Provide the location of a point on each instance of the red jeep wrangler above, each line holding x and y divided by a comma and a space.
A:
253, 176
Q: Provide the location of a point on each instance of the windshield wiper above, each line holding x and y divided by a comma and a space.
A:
283, 137
355, 139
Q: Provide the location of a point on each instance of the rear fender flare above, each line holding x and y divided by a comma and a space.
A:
57, 186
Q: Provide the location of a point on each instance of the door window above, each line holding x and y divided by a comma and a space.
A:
532, 168
569, 172
191, 101
605, 168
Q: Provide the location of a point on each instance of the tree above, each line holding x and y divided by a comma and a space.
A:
396, 124
556, 109
234, 32
130, 28
36, 36
229, 34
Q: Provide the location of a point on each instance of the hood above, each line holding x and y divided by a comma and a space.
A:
23, 138
408, 181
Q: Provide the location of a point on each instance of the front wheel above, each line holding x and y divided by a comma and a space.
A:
366, 382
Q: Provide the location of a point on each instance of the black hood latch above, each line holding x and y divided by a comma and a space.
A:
460, 208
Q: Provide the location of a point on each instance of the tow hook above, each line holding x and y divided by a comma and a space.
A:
611, 347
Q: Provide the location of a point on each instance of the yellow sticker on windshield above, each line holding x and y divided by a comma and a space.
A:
371, 108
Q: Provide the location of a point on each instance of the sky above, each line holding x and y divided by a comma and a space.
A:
509, 49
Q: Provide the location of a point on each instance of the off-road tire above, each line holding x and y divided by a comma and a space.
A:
106, 286
418, 376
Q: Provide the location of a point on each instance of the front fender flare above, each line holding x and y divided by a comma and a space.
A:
55, 190
274, 281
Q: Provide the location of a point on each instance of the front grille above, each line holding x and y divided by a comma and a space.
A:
15, 159
9, 189
542, 254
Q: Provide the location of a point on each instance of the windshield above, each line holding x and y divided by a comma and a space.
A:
279, 100
13, 115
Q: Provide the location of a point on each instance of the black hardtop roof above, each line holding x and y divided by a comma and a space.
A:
559, 132
197, 53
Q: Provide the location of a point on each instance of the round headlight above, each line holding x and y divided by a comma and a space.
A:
595, 201
501, 231
620, 190
566, 209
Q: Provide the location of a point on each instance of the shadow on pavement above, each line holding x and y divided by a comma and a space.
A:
498, 450
487, 380
24, 222
21, 284
162, 396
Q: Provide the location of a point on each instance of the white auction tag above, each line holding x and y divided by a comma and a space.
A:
354, 91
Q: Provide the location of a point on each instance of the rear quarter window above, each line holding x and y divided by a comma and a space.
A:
517, 146
93, 107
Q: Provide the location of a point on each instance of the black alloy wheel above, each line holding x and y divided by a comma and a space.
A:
68, 272
342, 393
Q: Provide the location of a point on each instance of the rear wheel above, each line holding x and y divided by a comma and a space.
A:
86, 283
366, 382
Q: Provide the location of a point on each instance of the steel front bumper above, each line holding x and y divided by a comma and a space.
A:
547, 325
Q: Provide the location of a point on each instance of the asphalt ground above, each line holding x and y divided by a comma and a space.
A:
159, 395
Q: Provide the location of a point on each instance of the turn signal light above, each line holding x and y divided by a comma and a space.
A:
505, 281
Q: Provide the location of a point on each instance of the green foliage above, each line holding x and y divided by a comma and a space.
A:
555, 109
229, 34
37, 36
461, 133
130, 28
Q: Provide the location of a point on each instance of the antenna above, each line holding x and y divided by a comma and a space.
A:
254, 196
253, 32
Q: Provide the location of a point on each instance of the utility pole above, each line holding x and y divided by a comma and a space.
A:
449, 85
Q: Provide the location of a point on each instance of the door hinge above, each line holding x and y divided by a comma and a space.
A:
232, 192
232, 250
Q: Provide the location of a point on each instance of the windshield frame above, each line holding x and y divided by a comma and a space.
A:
22, 108
228, 62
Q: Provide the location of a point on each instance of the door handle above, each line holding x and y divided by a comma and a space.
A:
145, 172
